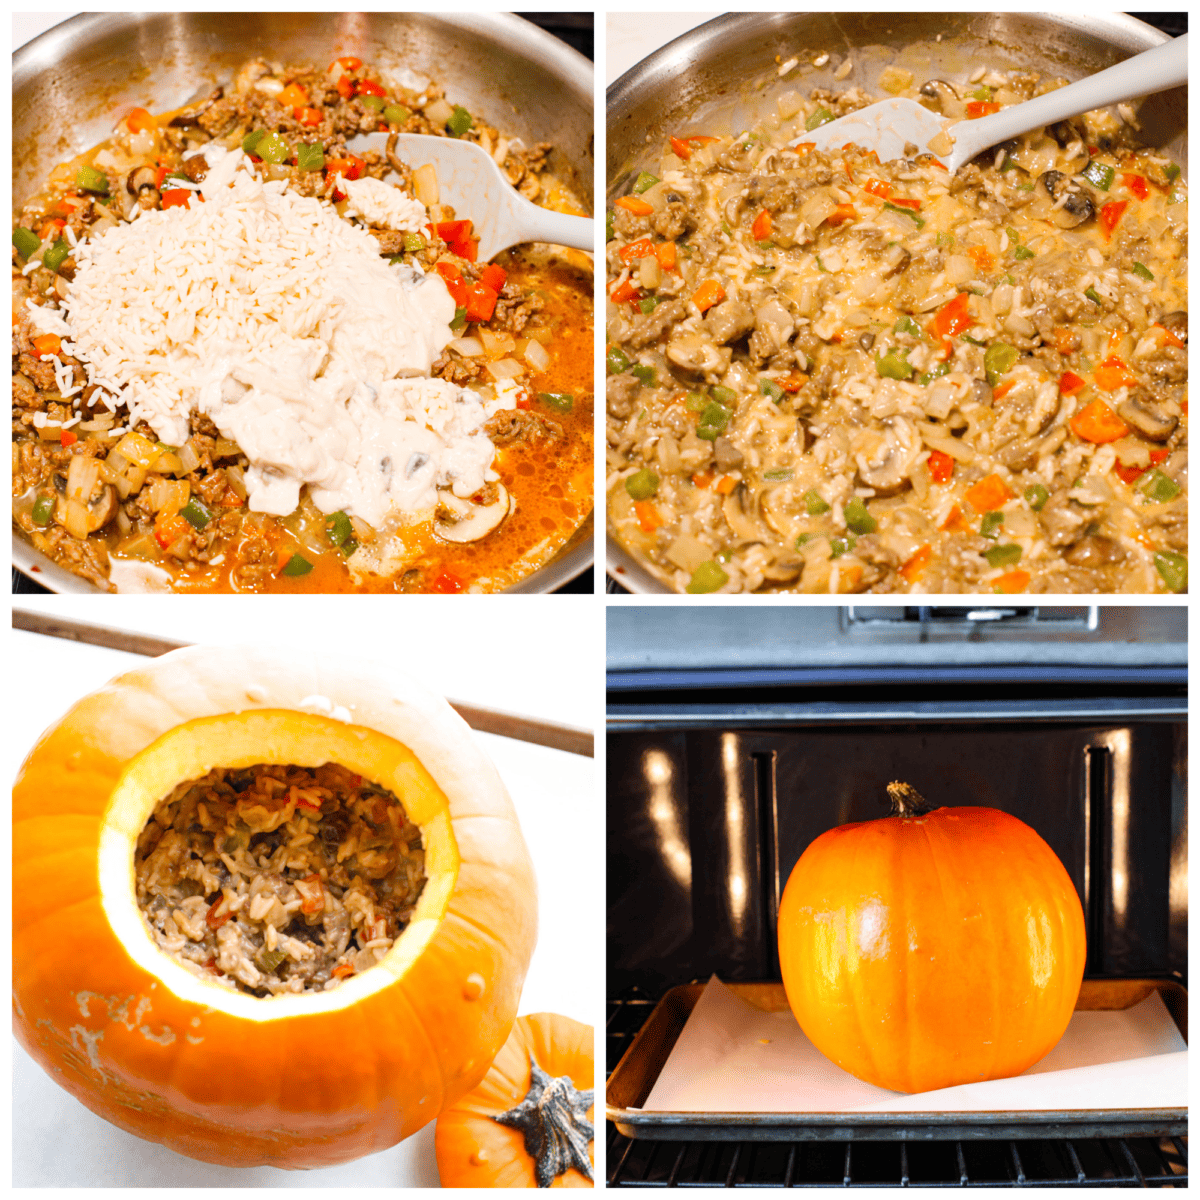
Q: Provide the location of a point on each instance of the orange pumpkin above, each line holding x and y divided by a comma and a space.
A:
529, 1123
929, 949
292, 1081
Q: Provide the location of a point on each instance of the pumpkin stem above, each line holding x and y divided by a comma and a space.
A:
906, 800
553, 1118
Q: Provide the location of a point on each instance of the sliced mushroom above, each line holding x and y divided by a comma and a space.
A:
746, 527
1147, 418
99, 511
698, 353
1095, 550
472, 521
938, 91
1065, 132
1077, 206
195, 168
188, 114
784, 570
886, 456
728, 456
140, 177
728, 321
1176, 322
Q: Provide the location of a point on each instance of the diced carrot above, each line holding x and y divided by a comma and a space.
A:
635, 205
710, 292
647, 515
953, 317
312, 894
51, 228
1096, 422
1011, 581
849, 575
998, 393
1112, 373
878, 187
1111, 214
47, 345
665, 252
495, 276
684, 146
642, 248
1168, 338
138, 120
760, 231
68, 204
292, 96
368, 87
982, 257
941, 466
702, 479
917, 563
68, 437
1063, 340
1070, 383
726, 484
901, 202
1137, 185
955, 522
793, 381
170, 527
988, 494
308, 116
841, 214
176, 198
625, 293
981, 108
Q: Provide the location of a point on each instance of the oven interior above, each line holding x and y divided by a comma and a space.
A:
733, 743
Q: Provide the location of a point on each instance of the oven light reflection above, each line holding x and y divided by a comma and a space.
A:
659, 772
1118, 742
735, 828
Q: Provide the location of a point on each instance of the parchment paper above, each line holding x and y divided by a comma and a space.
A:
732, 1057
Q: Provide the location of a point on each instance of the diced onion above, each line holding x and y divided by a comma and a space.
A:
137, 449
236, 479
496, 343
468, 347
169, 494
959, 268
82, 476
688, 552
505, 368
425, 184
168, 464
438, 112
817, 209
75, 519
536, 356
226, 448
124, 524
189, 458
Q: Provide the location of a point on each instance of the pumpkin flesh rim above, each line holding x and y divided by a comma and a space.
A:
285, 737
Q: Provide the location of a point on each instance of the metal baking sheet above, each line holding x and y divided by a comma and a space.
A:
639, 1068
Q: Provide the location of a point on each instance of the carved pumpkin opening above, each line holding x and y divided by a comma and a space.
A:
279, 879
291, 748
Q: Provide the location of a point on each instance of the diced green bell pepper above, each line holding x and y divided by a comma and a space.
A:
769, 387
251, 140
821, 117
616, 360
998, 360
397, 114
459, 122
1036, 496
25, 240
892, 366
643, 183
1003, 556
196, 513
560, 402
989, 527
814, 504
1098, 175
1157, 487
310, 156
643, 484
90, 179
707, 577
375, 103
1143, 271
43, 510
56, 255
273, 149
714, 420
646, 374
296, 566
857, 517
1173, 569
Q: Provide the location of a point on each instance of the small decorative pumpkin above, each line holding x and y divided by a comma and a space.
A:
929, 949
171, 1055
529, 1123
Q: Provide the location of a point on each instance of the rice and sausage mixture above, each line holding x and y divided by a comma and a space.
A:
828, 374
253, 353
279, 879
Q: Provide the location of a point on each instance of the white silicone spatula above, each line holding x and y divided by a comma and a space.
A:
887, 126
470, 181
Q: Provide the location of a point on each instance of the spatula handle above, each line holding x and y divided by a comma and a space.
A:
1153, 70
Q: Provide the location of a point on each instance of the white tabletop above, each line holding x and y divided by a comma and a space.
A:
629, 37
524, 655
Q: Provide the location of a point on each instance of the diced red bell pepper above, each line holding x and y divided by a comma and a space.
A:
941, 466
877, 187
481, 302
1137, 185
494, 276
981, 108
642, 248
760, 231
176, 198
455, 284
1070, 383
625, 293
308, 116
1112, 373
368, 87
212, 919
953, 317
68, 437
448, 584
345, 87
901, 202
350, 167
349, 61
1111, 214
666, 253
